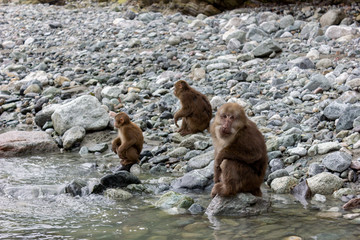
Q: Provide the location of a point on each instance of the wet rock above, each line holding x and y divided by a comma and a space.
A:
118, 179
343, 192
85, 110
76, 188
196, 209
241, 205
301, 192
337, 161
172, 199
353, 203
17, 143
72, 136
117, 194
324, 183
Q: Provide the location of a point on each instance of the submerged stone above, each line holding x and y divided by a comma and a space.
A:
241, 205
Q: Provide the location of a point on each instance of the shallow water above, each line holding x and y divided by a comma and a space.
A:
33, 206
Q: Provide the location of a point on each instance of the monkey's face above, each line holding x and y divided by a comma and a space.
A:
121, 119
230, 118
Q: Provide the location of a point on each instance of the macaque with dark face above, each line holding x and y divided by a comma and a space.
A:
129, 142
240, 153
195, 109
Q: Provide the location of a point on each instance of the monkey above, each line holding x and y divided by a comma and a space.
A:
129, 142
240, 159
195, 111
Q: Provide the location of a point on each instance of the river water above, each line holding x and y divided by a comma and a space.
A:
34, 206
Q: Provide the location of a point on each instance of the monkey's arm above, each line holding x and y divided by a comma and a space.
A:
217, 169
128, 142
115, 144
183, 112
239, 154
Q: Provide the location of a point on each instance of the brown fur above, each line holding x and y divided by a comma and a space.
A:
130, 140
195, 109
240, 152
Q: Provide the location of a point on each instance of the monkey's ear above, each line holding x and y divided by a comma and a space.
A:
121, 120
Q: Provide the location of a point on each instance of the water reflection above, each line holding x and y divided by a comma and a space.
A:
34, 206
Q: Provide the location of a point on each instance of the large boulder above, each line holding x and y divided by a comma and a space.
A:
241, 205
17, 143
85, 111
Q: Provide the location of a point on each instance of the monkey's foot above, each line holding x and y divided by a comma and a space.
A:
124, 167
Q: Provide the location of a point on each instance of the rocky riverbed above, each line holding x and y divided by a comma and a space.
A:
296, 70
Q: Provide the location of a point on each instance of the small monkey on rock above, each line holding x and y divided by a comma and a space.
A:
240, 153
195, 109
129, 142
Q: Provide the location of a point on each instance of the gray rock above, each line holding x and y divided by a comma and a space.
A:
201, 161
85, 111
318, 81
311, 30
72, 136
241, 205
265, 48
256, 34
335, 32
196, 179
196, 209
346, 120
44, 115
276, 174
111, 92
286, 21
334, 110
101, 147
337, 161
332, 17
302, 63
315, 168
324, 183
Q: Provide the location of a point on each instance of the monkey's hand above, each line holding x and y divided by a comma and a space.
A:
113, 148
176, 119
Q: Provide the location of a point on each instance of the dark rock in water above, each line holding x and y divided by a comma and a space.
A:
116, 180
75, 188
241, 205
302, 192
16, 143
196, 209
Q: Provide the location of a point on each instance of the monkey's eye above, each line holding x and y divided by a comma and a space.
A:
222, 116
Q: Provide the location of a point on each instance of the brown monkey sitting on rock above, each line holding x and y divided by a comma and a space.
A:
195, 109
240, 153
129, 142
